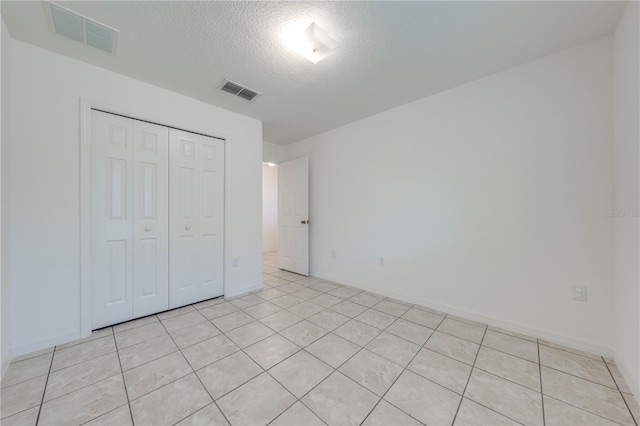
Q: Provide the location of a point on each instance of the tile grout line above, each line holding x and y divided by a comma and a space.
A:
117, 353
80, 342
480, 345
435, 313
405, 368
621, 395
515, 356
31, 355
46, 382
423, 347
194, 373
470, 374
492, 374
580, 377
324, 309
30, 378
542, 393
299, 400
599, 357
124, 383
240, 349
544, 418
446, 388
104, 414
537, 342
510, 354
486, 328
83, 343
412, 306
582, 409
200, 409
485, 371
83, 387
264, 371
334, 369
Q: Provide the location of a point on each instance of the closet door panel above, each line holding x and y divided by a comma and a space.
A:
151, 218
183, 229
196, 211
157, 218
111, 219
212, 218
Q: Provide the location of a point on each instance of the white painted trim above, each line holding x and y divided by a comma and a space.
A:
86, 105
245, 290
227, 218
85, 217
631, 381
479, 317
45, 344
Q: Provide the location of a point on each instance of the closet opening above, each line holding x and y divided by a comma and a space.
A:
154, 225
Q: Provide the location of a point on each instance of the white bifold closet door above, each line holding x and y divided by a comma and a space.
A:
130, 220
157, 218
197, 217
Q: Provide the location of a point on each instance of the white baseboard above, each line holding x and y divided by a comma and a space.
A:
631, 381
243, 290
47, 343
5, 364
471, 315
71, 336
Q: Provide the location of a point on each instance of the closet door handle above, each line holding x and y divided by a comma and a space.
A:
147, 229
188, 227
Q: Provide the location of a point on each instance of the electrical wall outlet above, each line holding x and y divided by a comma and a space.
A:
381, 261
579, 293
236, 262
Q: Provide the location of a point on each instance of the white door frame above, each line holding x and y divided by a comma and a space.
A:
86, 105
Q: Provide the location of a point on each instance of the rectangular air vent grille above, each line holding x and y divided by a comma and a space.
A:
80, 28
239, 90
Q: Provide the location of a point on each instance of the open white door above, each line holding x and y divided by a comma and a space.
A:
293, 215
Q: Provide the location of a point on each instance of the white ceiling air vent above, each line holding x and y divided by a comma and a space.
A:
239, 90
80, 28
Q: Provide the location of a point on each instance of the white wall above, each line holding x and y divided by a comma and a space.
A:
272, 153
486, 200
46, 88
5, 290
269, 208
627, 195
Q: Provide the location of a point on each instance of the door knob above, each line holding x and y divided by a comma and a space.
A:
147, 229
188, 228
304, 222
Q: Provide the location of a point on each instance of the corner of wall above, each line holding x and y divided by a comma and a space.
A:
5, 74
272, 153
626, 62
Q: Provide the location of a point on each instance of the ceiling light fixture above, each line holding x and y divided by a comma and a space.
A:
313, 42
271, 164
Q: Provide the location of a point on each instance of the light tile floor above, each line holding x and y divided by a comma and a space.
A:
308, 352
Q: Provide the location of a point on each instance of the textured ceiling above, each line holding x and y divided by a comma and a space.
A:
390, 53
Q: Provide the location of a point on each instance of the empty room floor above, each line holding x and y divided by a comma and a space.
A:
308, 352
